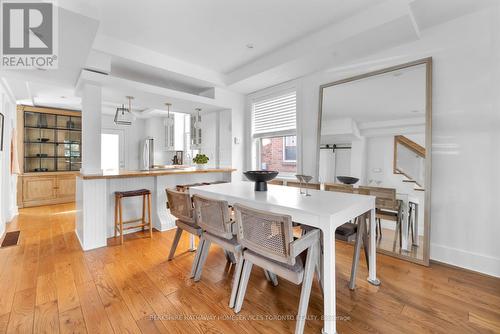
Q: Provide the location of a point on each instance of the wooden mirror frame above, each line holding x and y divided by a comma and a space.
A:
428, 146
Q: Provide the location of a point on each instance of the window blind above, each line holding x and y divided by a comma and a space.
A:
275, 116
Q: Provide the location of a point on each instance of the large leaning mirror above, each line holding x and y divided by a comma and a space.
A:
375, 129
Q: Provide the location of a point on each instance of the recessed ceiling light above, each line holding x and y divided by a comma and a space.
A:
414, 111
250, 46
62, 97
397, 74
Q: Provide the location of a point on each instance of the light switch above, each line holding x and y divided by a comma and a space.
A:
236, 140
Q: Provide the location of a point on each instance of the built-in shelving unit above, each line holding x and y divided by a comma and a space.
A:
49, 151
52, 142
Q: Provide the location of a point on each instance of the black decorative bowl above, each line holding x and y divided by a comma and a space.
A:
347, 179
260, 177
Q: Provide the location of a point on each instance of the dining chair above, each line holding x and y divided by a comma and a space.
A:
310, 185
214, 218
339, 187
268, 242
181, 207
387, 208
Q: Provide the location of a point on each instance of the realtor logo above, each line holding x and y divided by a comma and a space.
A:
29, 35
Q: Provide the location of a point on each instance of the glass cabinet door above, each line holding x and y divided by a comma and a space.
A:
51, 142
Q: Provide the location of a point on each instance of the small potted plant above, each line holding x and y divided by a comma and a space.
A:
200, 160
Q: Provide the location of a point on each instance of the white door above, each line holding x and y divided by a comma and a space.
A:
112, 149
342, 163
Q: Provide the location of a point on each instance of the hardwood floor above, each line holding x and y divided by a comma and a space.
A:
48, 285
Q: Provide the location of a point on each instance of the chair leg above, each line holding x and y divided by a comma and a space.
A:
236, 280
143, 220
306, 289
196, 260
149, 217
411, 220
271, 277
379, 224
230, 257
245, 276
177, 237
400, 234
116, 215
121, 219
203, 259
355, 258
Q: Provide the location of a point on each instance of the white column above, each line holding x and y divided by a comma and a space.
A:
91, 129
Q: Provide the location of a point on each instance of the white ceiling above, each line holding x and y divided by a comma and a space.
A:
391, 96
215, 33
189, 46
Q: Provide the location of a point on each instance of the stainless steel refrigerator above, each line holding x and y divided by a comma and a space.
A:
148, 154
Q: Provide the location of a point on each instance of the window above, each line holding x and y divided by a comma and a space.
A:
274, 131
290, 149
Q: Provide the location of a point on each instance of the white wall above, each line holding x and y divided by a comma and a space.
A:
239, 129
8, 182
209, 135
216, 138
466, 135
225, 139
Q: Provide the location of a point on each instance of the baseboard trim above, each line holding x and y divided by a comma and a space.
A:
480, 263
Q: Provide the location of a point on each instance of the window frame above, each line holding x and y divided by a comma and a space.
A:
284, 150
252, 157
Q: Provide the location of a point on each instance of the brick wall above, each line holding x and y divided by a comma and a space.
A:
272, 156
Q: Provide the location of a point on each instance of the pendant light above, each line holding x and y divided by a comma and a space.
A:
169, 130
198, 119
124, 116
168, 109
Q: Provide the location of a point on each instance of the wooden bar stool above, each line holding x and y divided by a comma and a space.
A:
118, 212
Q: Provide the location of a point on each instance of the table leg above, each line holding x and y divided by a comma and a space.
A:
415, 224
404, 222
329, 325
372, 278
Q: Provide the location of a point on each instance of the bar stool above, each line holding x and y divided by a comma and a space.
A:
118, 212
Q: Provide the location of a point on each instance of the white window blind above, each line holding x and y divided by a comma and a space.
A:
275, 116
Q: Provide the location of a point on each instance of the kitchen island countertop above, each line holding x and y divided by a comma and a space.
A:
153, 172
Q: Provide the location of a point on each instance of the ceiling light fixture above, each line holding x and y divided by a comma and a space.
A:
198, 119
250, 46
124, 116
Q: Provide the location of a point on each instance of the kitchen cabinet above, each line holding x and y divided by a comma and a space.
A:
39, 190
49, 145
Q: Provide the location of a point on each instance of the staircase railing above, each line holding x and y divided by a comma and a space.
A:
409, 160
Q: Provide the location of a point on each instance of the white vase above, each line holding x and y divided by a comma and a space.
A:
200, 166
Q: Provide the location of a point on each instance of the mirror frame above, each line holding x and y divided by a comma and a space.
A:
428, 146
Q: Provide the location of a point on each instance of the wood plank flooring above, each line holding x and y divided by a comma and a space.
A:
48, 285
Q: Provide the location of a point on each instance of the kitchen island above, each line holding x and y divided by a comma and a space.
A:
95, 198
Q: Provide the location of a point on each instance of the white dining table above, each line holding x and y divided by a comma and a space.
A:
325, 210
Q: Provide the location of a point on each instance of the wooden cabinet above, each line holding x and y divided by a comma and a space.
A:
39, 190
49, 146
66, 187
